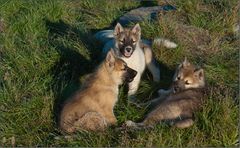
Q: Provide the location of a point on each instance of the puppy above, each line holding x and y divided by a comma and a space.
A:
135, 52
178, 104
91, 108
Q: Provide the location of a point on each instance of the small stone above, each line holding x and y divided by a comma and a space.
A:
4, 140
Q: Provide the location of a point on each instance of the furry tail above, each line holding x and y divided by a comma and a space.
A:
165, 42
104, 35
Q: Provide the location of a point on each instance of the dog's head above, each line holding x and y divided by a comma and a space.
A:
118, 69
188, 76
126, 39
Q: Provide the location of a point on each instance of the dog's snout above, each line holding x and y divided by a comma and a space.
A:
128, 49
178, 85
134, 73
131, 73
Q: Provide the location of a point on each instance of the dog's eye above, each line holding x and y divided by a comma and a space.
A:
178, 78
186, 82
122, 41
124, 68
133, 41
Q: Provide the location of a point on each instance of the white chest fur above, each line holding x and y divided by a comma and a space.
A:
136, 61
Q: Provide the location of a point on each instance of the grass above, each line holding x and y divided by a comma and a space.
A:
47, 49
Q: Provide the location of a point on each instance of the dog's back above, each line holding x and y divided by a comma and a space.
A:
186, 96
177, 108
79, 110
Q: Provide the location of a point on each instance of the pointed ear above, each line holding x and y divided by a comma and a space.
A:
136, 29
199, 73
118, 29
185, 63
110, 58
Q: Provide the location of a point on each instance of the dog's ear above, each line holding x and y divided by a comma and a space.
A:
185, 63
110, 58
199, 73
118, 29
137, 30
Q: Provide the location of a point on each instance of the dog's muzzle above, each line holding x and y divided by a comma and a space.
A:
178, 86
128, 51
130, 75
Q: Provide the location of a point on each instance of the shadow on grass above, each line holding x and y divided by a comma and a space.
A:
71, 65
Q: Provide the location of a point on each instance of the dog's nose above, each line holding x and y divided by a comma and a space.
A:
134, 72
128, 49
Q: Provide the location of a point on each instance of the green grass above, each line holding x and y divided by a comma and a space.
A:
47, 49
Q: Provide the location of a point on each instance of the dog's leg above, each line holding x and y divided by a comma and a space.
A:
186, 120
185, 123
111, 119
164, 111
150, 62
154, 101
91, 121
163, 94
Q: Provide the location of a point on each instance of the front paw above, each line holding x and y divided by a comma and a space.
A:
112, 121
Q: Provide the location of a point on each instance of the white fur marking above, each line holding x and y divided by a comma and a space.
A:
164, 42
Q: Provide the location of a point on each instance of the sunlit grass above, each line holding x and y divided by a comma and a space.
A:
47, 49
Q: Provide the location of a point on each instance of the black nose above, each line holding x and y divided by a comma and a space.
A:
128, 49
130, 75
134, 73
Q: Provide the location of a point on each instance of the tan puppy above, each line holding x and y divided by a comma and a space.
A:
91, 108
178, 103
